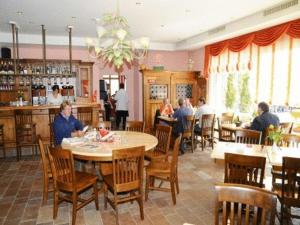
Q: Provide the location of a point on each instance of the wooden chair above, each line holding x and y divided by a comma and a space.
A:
2, 145
161, 151
288, 140
228, 114
70, 182
127, 177
52, 113
223, 134
239, 200
105, 124
25, 131
286, 127
47, 174
188, 134
138, 126
164, 171
244, 169
289, 190
207, 129
85, 115
248, 136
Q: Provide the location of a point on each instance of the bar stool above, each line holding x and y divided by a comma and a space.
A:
2, 141
85, 115
52, 113
25, 131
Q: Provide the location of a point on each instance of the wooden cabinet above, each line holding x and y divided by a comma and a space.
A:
158, 85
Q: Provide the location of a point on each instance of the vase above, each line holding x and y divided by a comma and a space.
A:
275, 148
21, 101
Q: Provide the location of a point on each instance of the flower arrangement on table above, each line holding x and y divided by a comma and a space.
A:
275, 134
20, 94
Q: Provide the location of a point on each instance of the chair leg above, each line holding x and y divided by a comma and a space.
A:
141, 203
105, 195
96, 195
74, 210
192, 144
172, 184
55, 207
45, 191
202, 143
176, 182
147, 187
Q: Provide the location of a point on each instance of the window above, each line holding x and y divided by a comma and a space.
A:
112, 82
273, 75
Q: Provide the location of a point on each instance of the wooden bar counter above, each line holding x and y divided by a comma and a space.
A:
40, 116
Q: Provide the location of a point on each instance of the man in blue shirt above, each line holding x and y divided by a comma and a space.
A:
65, 125
180, 114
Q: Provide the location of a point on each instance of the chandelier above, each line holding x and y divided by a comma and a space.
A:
114, 44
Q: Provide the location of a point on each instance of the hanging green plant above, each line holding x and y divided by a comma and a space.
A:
230, 92
245, 98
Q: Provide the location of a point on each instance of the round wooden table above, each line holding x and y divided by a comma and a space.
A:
102, 151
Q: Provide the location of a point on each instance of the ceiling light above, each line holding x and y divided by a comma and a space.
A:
187, 10
20, 13
114, 44
74, 17
162, 25
138, 3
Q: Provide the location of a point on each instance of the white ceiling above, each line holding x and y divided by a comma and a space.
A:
164, 21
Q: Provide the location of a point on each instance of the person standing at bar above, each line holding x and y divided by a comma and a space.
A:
55, 97
122, 101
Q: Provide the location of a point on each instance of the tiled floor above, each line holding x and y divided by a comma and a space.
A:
21, 196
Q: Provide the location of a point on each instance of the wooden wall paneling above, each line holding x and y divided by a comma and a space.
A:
41, 119
8, 120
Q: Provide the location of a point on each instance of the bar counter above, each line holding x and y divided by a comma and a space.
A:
40, 116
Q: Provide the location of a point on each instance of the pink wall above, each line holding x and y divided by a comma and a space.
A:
171, 60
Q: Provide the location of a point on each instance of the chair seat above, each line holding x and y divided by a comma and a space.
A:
161, 170
149, 155
226, 139
83, 181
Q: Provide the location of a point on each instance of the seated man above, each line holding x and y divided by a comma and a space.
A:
166, 108
202, 108
264, 118
188, 107
65, 125
180, 114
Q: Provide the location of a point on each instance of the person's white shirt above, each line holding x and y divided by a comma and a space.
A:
204, 109
55, 101
122, 100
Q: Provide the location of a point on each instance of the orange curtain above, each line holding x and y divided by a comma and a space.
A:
263, 37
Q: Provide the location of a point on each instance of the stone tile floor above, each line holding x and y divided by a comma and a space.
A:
21, 197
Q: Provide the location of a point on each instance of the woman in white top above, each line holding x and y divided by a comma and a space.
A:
55, 97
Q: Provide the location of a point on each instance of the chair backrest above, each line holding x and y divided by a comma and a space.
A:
189, 129
85, 115
251, 198
286, 128
244, 169
1, 134
207, 124
291, 182
23, 117
163, 134
138, 126
52, 113
248, 136
290, 140
62, 167
128, 167
105, 124
224, 119
44, 155
228, 114
174, 161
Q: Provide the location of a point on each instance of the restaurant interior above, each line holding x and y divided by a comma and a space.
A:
149, 112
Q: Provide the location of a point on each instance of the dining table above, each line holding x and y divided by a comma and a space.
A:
101, 151
273, 155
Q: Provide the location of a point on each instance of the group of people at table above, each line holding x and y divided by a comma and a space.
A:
260, 123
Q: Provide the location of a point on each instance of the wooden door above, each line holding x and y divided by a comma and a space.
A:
156, 88
184, 85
